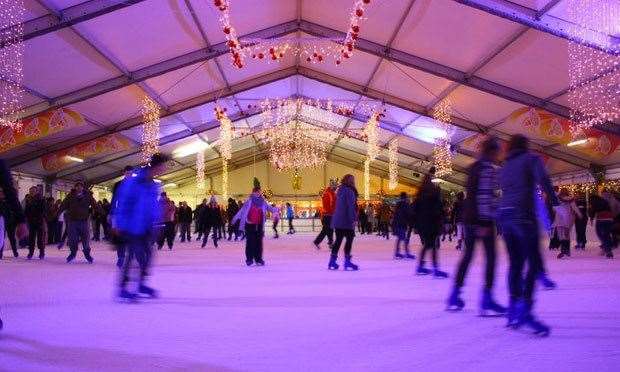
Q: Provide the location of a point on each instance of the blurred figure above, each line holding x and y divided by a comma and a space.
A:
117, 240
136, 214
105, 213
582, 222
185, 221
251, 218
565, 215
362, 220
344, 221
210, 218
275, 217
35, 215
522, 174
77, 205
9, 221
51, 217
384, 214
601, 210
97, 217
290, 215
328, 202
11, 203
168, 211
429, 212
231, 211
479, 213
457, 216
199, 228
400, 224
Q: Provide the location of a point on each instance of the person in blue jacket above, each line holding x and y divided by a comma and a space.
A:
344, 221
290, 215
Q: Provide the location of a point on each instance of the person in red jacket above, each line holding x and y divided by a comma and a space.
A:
329, 205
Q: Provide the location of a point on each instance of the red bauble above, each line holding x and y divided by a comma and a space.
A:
260, 55
223, 8
366, 1
354, 36
346, 55
308, 59
227, 30
320, 58
231, 43
274, 57
359, 12
254, 56
337, 61
217, 3
271, 50
350, 47
315, 55
281, 55
355, 28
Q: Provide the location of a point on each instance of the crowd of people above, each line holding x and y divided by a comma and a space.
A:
140, 217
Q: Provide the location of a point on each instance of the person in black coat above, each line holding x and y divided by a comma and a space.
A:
35, 212
231, 211
581, 223
117, 240
400, 224
199, 228
9, 225
185, 221
429, 209
210, 219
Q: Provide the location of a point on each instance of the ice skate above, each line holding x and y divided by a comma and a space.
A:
421, 270
398, 256
71, 257
260, 263
348, 265
410, 256
332, 263
89, 258
524, 317
439, 274
147, 291
488, 306
455, 302
249, 262
546, 282
126, 296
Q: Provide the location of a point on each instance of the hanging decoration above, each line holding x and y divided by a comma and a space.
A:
593, 74
310, 49
224, 180
367, 179
372, 134
296, 180
11, 62
393, 164
200, 170
442, 154
226, 132
150, 128
109, 144
592, 187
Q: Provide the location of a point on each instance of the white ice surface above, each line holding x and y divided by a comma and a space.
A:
215, 314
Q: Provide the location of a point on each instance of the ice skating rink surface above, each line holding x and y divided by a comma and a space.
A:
216, 314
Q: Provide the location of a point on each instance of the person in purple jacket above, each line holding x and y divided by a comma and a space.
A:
344, 221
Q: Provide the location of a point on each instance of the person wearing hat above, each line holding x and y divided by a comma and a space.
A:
77, 205
328, 201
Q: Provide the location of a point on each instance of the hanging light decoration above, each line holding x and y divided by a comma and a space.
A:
357, 15
393, 164
372, 134
367, 179
224, 180
200, 170
442, 154
11, 62
234, 46
150, 128
594, 95
226, 132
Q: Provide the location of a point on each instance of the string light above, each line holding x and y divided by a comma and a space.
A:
593, 74
367, 179
11, 62
442, 154
234, 46
200, 170
372, 135
226, 132
150, 128
224, 179
393, 164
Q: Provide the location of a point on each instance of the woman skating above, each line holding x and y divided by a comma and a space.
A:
565, 214
344, 222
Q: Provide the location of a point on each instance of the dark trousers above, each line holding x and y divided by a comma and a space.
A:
96, 229
488, 243
233, 228
166, 235
348, 236
64, 227
254, 242
363, 226
206, 230
10, 232
274, 227
326, 231
138, 247
429, 243
121, 247
580, 230
36, 236
523, 247
76, 231
603, 231
291, 229
185, 231
52, 232
401, 237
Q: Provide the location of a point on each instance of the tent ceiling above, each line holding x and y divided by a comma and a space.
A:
101, 57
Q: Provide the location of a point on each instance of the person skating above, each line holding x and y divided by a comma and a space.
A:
136, 215
601, 211
185, 222
231, 211
457, 216
10, 224
400, 223
77, 205
523, 173
328, 204
429, 211
35, 215
251, 218
116, 239
11, 203
168, 214
198, 226
565, 215
290, 215
275, 218
210, 219
581, 223
479, 213
344, 221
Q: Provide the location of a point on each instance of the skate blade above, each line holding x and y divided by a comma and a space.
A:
486, 314
454, 309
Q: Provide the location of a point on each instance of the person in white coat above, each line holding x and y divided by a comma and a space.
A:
564, 220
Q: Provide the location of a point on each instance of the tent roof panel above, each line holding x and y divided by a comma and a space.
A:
561, 10
62, 62
278, 89
481, 107
188, 82
532, 4
112, 107
63, 4
536, 63
145, 33
316, 89
463, 44
33, 10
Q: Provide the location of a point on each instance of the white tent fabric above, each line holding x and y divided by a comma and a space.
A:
102, 64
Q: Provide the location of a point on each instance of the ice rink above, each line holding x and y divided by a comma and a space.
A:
216, 314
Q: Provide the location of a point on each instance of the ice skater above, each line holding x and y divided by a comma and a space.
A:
275, 218
251, 218
522, 174
565, 215
344, 222
135, 217
479, 213
77, 205
290, 215
117, 241
328, 203
400, 223
167, 233
429, 215
210, 218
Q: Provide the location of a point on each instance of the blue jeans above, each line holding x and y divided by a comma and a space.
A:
522, 242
